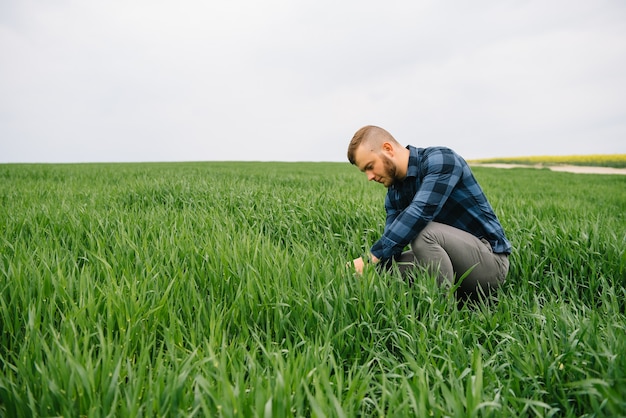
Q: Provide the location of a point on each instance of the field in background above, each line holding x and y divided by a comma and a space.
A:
220, 289
598, 160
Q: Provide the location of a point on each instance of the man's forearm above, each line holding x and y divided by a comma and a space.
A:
372, 258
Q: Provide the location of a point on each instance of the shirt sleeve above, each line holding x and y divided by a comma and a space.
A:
442, 171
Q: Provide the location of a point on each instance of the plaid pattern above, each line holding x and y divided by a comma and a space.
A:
440, 187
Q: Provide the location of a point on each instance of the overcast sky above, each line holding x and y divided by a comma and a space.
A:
279, 80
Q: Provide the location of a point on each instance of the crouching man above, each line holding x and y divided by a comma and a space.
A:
435, 205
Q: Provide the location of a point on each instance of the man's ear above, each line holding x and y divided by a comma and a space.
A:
387, 147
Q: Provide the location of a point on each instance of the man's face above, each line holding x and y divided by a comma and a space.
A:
377, 166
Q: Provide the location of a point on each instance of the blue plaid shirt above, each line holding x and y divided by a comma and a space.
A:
440, 187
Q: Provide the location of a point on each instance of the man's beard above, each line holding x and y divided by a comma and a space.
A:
390, 171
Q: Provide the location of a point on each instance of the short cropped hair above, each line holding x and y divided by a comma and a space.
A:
368, 134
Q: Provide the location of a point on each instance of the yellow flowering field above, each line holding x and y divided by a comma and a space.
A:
601, 160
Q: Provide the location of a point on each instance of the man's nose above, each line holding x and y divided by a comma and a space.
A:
370, 176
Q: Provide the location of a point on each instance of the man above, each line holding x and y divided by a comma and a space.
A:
435, 205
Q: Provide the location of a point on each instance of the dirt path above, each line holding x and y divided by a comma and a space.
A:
566, 168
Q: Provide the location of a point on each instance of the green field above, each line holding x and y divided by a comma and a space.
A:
220, 289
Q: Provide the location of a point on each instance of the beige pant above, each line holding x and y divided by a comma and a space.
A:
449, 253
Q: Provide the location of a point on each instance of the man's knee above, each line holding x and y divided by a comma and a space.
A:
426, 239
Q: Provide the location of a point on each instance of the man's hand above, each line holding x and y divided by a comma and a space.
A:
359, 263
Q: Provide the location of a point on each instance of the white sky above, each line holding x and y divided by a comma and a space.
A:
279, 80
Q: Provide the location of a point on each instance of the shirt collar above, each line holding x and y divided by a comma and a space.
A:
412, 170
